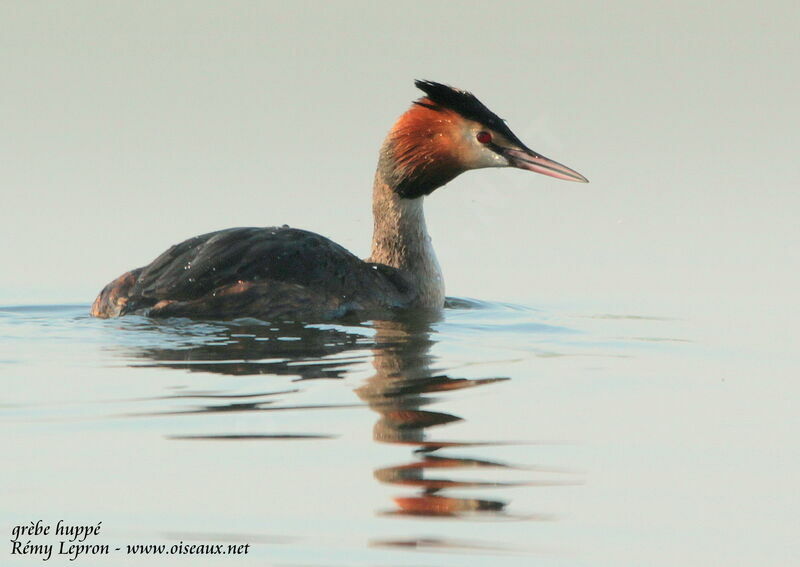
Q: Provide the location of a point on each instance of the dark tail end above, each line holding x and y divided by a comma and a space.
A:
112, 300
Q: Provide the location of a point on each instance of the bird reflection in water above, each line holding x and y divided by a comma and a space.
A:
403, 384
244, 348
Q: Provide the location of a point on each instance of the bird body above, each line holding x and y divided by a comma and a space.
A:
287, 273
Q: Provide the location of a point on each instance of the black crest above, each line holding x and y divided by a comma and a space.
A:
467, 105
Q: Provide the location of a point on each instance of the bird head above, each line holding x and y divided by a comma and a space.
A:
449, 131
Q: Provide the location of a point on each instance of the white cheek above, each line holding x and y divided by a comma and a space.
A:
487, 158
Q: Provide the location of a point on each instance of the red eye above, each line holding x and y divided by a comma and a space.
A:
484, 137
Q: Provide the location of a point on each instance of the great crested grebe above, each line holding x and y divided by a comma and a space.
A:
287, 273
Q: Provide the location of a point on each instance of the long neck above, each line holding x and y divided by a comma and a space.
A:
400, 239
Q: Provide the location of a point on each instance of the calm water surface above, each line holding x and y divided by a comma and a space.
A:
495, 435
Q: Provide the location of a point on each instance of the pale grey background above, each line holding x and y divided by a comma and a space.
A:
129, 126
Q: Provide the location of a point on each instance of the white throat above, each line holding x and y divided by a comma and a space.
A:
400, 239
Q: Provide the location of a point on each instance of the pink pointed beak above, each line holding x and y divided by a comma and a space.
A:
530, 160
